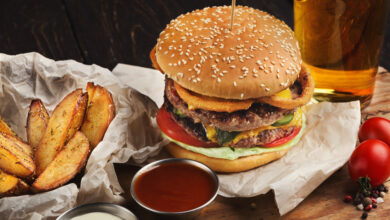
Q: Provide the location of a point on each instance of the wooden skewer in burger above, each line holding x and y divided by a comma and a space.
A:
233, 98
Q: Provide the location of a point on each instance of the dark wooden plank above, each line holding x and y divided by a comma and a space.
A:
123, 31
37, 25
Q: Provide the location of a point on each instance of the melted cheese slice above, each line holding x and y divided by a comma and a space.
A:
285, 94
296, 122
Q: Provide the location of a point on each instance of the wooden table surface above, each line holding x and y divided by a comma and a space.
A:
123, 31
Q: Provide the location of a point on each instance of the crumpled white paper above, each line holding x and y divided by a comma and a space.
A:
328, 141
131, 133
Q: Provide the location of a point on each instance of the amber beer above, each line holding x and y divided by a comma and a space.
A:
340, 42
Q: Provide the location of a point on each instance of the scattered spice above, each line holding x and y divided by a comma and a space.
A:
367, 201
368, 207
360, 207
368, 197
348, 199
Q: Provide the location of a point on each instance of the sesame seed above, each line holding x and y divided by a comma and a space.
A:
232, 66
234, 83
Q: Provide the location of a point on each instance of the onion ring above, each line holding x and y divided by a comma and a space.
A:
307, 84
152, 57
196, 101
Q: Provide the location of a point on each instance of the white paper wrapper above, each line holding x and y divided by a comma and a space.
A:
328, 141
131, 134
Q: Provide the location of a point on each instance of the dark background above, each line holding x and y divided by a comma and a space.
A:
107, 32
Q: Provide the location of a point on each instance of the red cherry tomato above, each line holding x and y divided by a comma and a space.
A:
375, 128
283, 140
170, 128
370, 159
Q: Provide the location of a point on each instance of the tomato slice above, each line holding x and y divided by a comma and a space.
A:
283, 140
170, 128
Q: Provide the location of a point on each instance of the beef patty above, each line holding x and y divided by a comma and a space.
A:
258, 115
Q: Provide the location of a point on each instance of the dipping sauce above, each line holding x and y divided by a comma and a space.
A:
96, 216
174, 187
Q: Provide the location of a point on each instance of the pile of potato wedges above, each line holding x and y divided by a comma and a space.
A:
58, 145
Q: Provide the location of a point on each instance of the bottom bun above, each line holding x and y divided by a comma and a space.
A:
223, 165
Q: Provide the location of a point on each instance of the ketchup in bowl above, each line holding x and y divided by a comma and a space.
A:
174, 186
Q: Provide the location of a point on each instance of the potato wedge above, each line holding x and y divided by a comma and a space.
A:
11, 186
62, 124
24, 146
13, 159
65, 165
5, 128
36, 123
100, 112
91, 90
78, 117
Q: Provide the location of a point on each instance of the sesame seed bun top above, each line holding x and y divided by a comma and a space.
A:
258, 58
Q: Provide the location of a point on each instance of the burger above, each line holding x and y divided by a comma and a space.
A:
234, 95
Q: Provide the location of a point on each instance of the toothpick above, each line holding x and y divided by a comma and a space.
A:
232, 15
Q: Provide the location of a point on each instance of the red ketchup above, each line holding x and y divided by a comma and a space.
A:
174, 187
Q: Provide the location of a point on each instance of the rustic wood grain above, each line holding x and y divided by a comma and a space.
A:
37, 26
118, 31
326, 202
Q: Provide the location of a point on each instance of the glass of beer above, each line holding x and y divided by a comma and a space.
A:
340, 41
